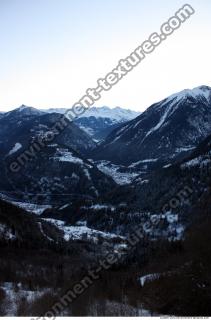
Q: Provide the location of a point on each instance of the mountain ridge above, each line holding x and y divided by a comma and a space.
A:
174, 125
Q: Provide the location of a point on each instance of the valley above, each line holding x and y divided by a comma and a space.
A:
114, 183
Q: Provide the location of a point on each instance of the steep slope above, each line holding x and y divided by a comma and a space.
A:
161, 202
23, 112
57, 174
98, 128
19, 227
176, 187
29, 124
57, 170
166, 131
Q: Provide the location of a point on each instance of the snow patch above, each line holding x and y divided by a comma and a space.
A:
199, 161
16, 147
121, 177
31, 207
81, 232
67, 156
149, 278
142, 161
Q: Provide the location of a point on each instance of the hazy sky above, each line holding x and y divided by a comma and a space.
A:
53, 50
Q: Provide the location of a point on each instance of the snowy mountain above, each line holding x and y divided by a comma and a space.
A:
23, 111
144, 199
30, 124
96, 122
165, 131
59, 165
116, 114
99, 122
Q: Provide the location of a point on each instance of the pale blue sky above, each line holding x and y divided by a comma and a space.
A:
53, 50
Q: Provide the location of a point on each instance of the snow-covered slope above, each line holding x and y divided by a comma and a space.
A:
23, 110
99, 122
117, 114
55, 174
96, 122
167, 130
59, 164
29, 124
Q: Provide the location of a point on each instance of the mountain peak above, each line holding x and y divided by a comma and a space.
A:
22, 107
165, 130
21, 111
26, 110
201, 91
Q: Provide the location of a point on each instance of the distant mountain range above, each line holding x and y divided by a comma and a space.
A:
96, 122
99, 122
